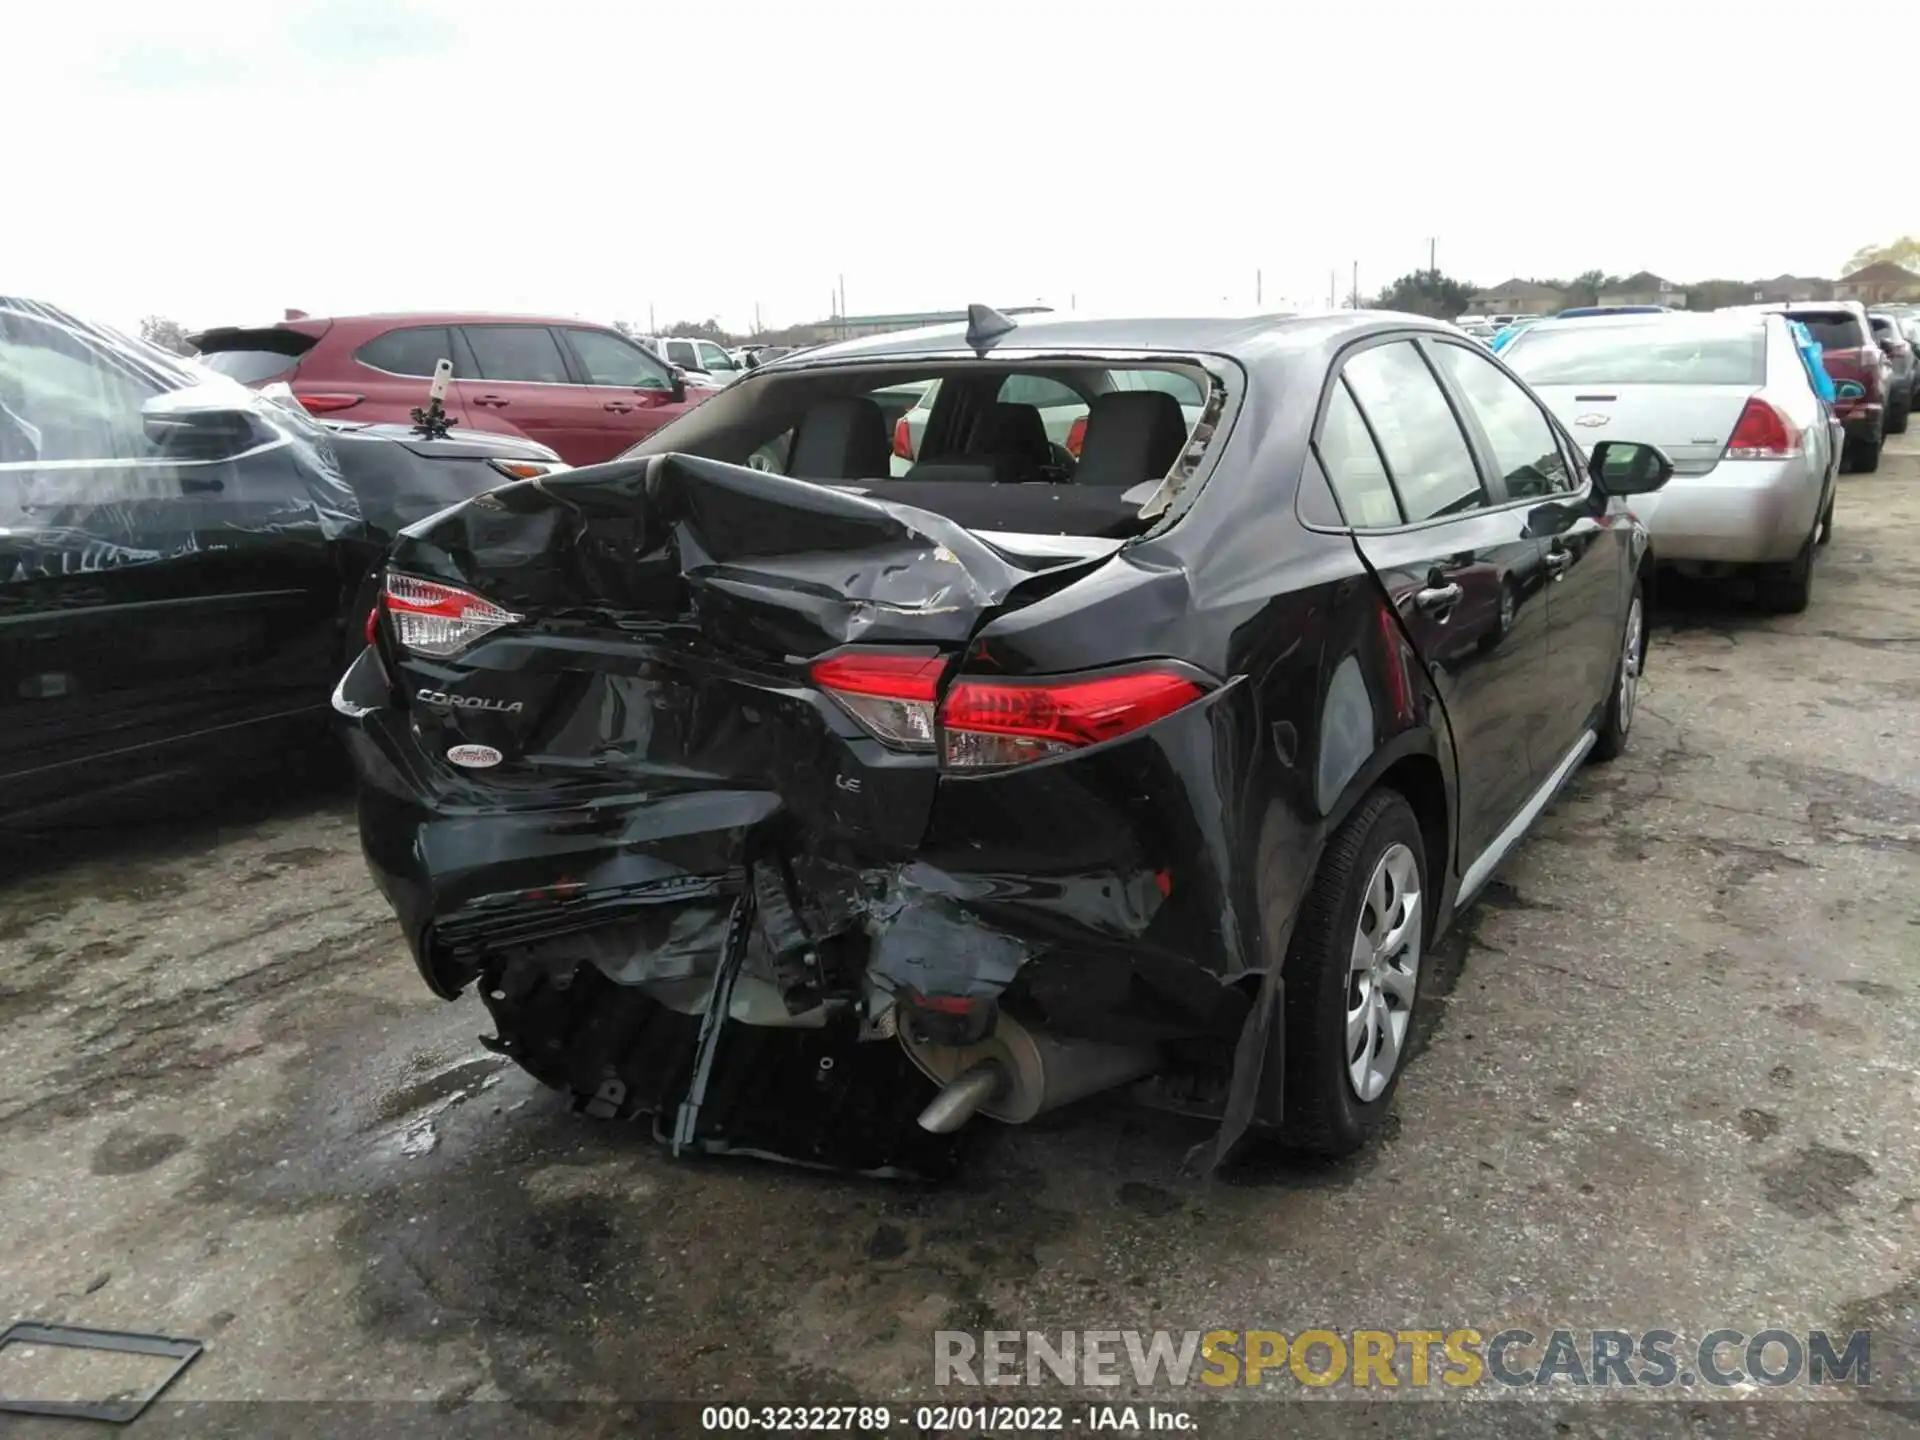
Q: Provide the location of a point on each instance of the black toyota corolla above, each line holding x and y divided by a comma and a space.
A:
1145, 732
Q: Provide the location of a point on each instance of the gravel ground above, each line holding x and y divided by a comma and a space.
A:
1668, 1082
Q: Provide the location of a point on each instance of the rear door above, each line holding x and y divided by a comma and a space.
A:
1460, 572
633, 389
521, 379
1583, 569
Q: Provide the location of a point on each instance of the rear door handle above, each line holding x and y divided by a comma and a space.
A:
617, 405
1438, 597
1558, 561
189, 485
494, 400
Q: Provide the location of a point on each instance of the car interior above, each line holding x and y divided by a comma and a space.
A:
983, 461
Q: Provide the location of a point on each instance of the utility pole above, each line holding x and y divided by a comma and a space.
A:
1257, 293
1433, 265
1356, 285
756, 317
652, 329
1073, 301
1332, 282
843, 306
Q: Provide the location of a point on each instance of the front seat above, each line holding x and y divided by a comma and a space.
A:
841, 439
1015, 432
1132, 436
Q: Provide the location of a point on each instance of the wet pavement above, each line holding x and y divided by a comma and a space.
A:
1668, 1081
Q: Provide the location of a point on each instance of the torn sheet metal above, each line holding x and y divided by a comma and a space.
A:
696, 890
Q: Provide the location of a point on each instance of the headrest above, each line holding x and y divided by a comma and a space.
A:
841, 439
1132, 436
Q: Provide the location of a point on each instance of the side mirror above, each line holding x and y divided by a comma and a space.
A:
1626, 467
186, 425
678, 379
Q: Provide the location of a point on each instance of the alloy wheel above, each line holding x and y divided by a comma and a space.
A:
1631, 651
1383, 973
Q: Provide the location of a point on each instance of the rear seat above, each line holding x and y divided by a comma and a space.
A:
1132, 436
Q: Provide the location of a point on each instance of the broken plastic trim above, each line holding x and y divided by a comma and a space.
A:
1198, 443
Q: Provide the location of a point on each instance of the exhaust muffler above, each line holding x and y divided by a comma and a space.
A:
1016, 1073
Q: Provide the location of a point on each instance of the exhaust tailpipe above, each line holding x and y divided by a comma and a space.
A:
1016, 1073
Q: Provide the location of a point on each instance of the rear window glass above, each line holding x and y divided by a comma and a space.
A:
255, 356
249, 367
1834, 331
413, 351
1591, 354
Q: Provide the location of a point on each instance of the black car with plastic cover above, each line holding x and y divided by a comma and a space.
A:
813, 814
180, 557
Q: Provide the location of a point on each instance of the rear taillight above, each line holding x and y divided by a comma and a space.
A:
992, 723
1077, 436
434, 619
327, 403
1762, 434
373, 623
989, 723
902, 439
892, 693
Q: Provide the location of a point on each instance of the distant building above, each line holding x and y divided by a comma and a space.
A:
1645, 288
1516, 297
1788, 289
852, 327
1878, 284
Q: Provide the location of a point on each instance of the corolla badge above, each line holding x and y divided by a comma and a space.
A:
475, 757
1591, 420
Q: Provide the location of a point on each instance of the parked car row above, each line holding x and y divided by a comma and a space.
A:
1732, 398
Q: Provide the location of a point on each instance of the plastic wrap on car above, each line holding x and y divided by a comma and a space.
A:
114, 453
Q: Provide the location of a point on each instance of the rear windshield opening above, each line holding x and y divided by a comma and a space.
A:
1046, 447
254, 356
1837, 331
1641, 355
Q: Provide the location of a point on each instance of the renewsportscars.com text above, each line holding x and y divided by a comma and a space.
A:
1412, 1359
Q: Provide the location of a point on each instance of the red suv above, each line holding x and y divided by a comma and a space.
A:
585, 390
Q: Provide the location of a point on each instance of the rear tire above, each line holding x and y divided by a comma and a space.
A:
1897, 419
1349, 1025
1824, 531
1863, 456
1618, 722
1788, 589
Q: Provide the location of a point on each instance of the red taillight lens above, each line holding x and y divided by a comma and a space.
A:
1077, 437
902, 439
434, 619
1762, 434
992, 723
328, 403
373, 623
891, 693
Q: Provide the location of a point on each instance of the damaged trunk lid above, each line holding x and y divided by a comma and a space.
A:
637, 643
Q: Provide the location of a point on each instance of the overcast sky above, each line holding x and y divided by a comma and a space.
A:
220, 160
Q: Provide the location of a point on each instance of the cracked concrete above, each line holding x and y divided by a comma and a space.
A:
1667, 1080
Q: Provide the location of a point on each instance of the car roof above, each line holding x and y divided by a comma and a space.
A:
433, 317
1245, 337
1729, 319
